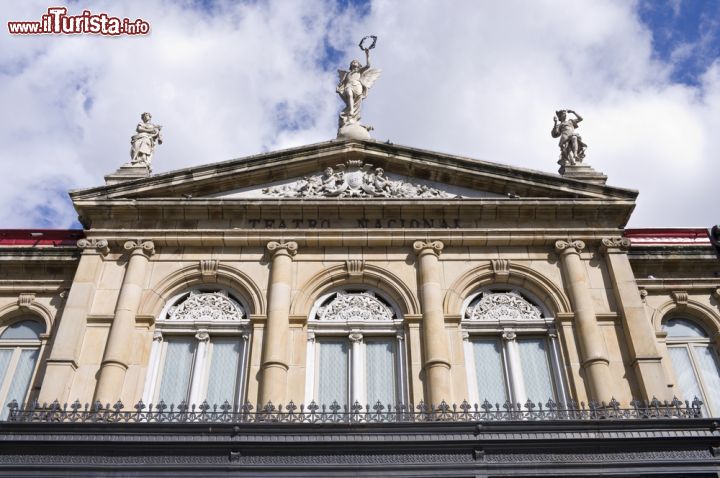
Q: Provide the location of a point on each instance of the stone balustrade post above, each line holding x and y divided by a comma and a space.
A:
593, 351
436, 364
639, 332
64, 355
275, 362
118, 349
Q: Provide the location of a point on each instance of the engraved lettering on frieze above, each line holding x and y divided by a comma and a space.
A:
25, 300
353, 307
362, 223
207, 306
100, 245
502, 306
209, 268
355, 267
354, 179
501, 268
680, 298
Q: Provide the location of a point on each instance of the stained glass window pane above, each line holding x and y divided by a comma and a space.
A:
224, 371
687, 381
536, 369
26, 329
489, 370
683, 328
380, 369
177, 370
710, 370
21, 379
332, 382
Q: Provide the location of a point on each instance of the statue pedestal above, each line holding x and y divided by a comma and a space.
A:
353, 131
127, 172
582, 172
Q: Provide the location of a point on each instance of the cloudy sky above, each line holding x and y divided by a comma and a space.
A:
478, 78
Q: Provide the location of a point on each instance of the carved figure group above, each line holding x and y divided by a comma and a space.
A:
143, 143
354, 179
572, 148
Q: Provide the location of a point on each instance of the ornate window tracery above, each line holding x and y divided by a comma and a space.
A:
511, 349
355, 350
199, 350
20, 347
695, 363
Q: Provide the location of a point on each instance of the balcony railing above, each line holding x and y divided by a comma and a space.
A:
356, 413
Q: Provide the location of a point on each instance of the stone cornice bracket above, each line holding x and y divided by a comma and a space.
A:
569, 246
355, 267
501, 269
99, 246
25, 300
432, 247
614, 245
147, 247
643, 294
209, 268
289, 248
680, 298
716, 294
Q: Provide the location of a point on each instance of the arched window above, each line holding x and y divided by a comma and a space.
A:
511, 350
355, 350
19, 351
694, 362
199, 350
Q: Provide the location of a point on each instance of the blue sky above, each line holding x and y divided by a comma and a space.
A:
474, 78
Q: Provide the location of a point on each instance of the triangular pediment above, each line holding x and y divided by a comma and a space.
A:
359, 170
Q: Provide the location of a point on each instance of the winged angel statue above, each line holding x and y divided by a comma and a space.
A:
354, 85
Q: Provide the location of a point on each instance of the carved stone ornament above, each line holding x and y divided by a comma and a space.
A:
290, 247
207, 306
680, 297
561, 245
147, 247
354, 179
499, 306
620, 243
501, 268
100, 245
209, 268
355, 267
26, 300
435, 247
354, 307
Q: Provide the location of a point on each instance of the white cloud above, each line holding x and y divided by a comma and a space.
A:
475, 78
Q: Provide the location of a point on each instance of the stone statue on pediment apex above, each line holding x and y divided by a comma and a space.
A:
144, 141
572, 147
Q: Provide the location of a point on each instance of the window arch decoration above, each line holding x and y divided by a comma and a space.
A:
694, 360
356, 349
511, 348
200, 350
22, 342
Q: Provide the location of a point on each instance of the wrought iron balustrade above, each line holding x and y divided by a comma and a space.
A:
356, 413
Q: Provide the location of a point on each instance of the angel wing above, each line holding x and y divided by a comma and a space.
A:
369, 77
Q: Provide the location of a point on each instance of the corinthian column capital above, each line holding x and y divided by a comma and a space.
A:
146, 247
569, 246
282, 247
434, 247
611, 245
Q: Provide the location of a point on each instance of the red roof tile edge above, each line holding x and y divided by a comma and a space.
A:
40, 237
668, 236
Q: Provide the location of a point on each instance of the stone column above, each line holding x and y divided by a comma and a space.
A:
62, 363
119, 345
274, 367
639, 332
435, 341
593, 352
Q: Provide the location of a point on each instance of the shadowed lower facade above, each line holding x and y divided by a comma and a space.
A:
354, 308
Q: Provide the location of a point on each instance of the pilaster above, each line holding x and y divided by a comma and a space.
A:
639, 332
436, 362
63, 360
